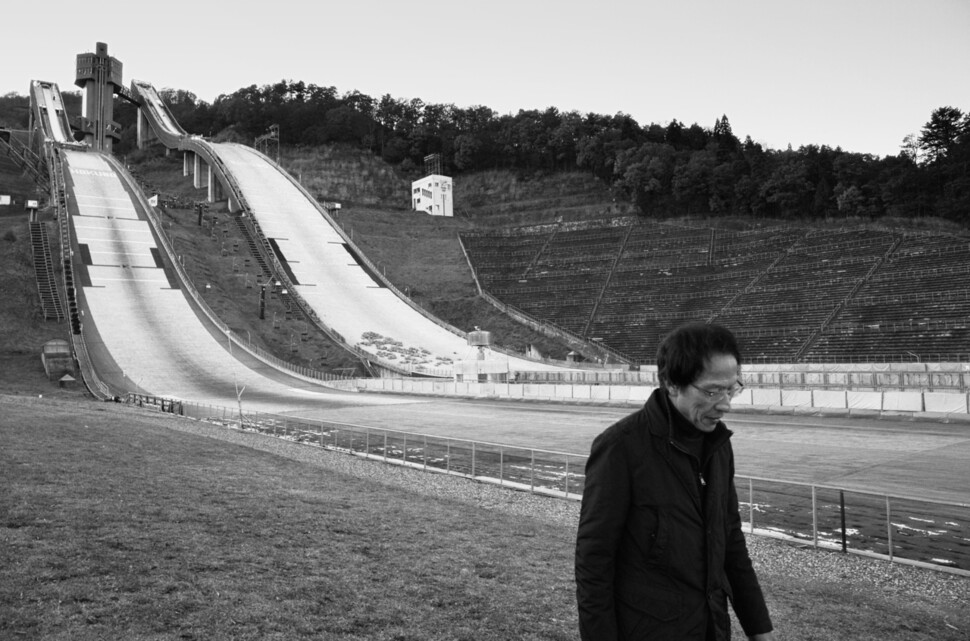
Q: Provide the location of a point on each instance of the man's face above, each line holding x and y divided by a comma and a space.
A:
707, 400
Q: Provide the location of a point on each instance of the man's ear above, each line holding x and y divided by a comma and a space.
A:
673, 390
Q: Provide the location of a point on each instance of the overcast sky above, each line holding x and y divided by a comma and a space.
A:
855, 74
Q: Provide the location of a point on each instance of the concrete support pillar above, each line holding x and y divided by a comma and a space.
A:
142, 126
145, 133
185, 163
215, 187
196, 171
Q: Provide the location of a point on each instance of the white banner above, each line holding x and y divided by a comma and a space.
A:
902, 402
831, 399
769, 397
796, 398
864, 400
947, 403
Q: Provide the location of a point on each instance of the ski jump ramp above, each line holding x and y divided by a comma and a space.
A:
142, 330
351, 302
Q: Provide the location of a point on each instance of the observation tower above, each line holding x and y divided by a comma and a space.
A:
99, 77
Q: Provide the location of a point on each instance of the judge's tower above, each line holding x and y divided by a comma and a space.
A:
99, 77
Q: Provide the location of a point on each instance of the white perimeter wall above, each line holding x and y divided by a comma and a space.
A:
940, 404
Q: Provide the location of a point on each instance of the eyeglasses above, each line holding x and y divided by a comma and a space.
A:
721, 393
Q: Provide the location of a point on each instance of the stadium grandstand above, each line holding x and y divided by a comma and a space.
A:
795, 294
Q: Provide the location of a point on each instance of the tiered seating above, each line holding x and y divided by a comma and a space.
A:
759, 345
893, 343
554, 274
503, 257
803, 289
875, 294
916, 306
636, 337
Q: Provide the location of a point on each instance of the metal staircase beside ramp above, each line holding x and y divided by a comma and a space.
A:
50, 300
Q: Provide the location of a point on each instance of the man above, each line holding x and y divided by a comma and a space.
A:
659, 550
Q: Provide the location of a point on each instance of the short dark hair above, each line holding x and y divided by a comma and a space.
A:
684, 352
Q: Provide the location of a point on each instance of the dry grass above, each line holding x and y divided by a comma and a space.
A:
114, 527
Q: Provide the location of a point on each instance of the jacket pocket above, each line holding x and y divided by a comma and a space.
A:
647, 530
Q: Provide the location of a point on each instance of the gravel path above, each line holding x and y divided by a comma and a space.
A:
771, 556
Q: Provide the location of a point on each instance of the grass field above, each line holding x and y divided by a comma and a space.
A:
115, 526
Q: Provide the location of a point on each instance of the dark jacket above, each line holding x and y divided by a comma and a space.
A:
658, 554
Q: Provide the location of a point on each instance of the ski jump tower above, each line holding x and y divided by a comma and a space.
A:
99, 77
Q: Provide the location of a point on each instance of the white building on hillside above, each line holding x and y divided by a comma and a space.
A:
433, 195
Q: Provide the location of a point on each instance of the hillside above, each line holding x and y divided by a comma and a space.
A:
24, 330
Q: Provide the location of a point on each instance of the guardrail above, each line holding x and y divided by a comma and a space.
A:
902, 529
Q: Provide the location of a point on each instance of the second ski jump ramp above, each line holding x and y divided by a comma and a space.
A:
329, 278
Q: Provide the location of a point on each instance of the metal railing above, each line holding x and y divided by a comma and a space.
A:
905, 529
902, 529
540, 471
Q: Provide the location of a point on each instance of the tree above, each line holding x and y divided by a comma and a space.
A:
940, 135
788, 187
644, 175
692, 181
467, 148
726, 144
910, 148
14, 111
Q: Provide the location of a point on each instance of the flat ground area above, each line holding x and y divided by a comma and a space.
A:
918, 458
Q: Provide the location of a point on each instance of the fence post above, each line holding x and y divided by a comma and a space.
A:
425, 452
567, 478
889, 527
473, 459
532, 472
814, 518
501, 465
385, 447
404, 450
842, 512
448, 455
